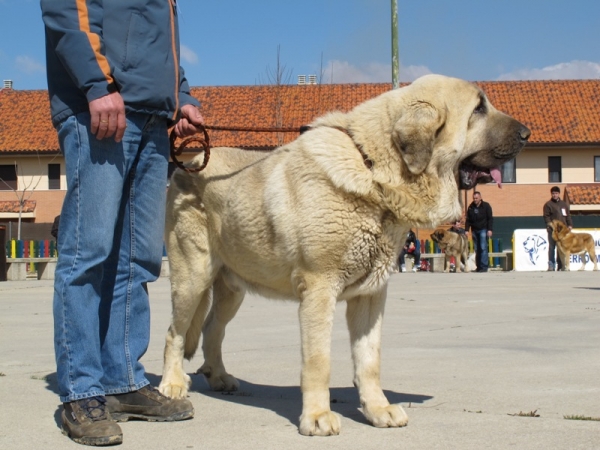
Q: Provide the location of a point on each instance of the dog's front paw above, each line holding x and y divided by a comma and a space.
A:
175, 388
325, 424
219, 381
387, 416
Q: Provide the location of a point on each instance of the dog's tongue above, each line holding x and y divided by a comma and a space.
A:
497, 176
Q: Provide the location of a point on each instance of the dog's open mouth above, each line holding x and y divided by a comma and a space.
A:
470, 176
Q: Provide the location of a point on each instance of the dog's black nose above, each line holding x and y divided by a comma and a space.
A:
524, 133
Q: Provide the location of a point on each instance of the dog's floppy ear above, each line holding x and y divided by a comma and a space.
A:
415, 132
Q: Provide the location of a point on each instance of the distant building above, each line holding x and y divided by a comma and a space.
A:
564, 148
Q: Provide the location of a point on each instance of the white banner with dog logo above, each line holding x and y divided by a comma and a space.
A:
530, 249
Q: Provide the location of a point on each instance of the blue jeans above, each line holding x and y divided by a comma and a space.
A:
110, 245
553, 260
480, 242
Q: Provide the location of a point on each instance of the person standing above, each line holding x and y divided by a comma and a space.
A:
55, 225
480, 221
115, 87
410, 248
555, 209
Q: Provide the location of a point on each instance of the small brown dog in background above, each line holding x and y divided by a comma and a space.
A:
453, 244
570, 243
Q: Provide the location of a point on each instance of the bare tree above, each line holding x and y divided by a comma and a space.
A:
278, 77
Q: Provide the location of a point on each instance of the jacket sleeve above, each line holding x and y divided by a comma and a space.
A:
74, 31
490, 218
547, 214
467, 222
185, 97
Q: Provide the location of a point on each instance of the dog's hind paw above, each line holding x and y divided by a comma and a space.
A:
219, 382
325, 424
387, 417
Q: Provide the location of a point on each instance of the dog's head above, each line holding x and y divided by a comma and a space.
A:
426, 141
451, 121
558, 228
438, 235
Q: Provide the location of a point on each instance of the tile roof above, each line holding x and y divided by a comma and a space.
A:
13, 206
583, 194
25, 124
557, 111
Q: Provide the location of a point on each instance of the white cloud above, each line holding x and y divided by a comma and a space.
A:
574, 70
29, 65
343, 72
188, 55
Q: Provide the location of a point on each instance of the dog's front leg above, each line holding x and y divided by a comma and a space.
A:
364, 315
316, 321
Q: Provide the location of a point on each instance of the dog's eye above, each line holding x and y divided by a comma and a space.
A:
481, 107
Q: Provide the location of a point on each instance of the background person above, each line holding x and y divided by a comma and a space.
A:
115, 87
410, 248
555, 209
457, 228
55, 225
480, 222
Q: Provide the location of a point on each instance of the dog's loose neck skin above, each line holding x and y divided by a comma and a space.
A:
366, 160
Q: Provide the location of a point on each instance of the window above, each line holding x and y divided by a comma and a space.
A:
509, 171
597, 169
8, 177
554, 169
53, 176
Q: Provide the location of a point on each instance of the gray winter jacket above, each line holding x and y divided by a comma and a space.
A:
95, 47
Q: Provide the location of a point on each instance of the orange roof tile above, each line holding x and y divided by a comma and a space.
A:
25, 124
558, 112
583, 194
13, 206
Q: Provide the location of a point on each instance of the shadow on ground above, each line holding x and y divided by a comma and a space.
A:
286, 401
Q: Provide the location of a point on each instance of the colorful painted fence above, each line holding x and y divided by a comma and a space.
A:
494, 246
31, 249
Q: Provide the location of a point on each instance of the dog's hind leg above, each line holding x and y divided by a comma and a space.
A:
592, 254
226, 303
364, 316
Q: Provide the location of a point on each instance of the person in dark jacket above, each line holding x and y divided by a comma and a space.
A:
555, 209
115, 87
54, 229
410, 248
480, 222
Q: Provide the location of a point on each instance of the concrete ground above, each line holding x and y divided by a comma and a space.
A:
469, 356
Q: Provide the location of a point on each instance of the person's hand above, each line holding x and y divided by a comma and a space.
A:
190, 121
108, 116
489, 233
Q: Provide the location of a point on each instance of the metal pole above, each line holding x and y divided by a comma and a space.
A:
395, 51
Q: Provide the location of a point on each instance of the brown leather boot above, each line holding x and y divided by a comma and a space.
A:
149, 404
87, 422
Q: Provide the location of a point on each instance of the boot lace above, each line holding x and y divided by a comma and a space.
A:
94, 407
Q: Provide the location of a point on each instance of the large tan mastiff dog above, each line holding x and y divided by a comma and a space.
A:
322, 220
570, 243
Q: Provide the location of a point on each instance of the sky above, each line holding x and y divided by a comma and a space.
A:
236, 42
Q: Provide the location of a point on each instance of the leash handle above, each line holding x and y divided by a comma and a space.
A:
176, 151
